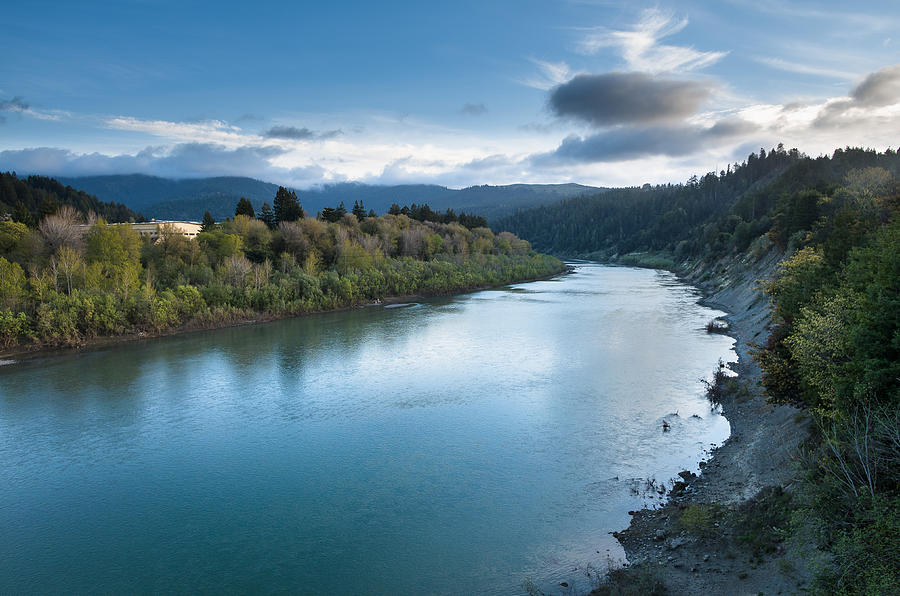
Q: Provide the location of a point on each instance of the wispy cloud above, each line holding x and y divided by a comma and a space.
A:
18, 105
858, 19
549, 75
640, 48
797, 67
208, 131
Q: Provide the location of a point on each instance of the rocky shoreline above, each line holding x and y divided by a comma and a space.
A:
703, 540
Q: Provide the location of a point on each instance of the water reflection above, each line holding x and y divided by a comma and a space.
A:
456, 445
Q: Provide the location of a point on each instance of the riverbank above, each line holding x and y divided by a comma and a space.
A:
39, 350
713, 536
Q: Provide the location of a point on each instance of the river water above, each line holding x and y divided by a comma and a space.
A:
454, 446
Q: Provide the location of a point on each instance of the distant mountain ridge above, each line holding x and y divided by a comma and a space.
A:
165, 198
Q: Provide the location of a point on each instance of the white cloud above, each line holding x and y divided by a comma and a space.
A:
550, 74
797, 67
640, 47
208, 131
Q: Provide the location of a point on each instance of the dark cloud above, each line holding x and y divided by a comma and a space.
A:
627, 98
16, 104
623, 144
299, 134
880, 88
474, 109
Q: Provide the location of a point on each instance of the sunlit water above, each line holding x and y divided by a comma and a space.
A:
460, 445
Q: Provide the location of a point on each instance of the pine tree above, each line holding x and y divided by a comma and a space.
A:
21, 214
359, 210
244, 207
209, 224
287, 206
267, 215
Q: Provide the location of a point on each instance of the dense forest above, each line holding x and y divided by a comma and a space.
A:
71, 278
834, 348
28, 200
709, 216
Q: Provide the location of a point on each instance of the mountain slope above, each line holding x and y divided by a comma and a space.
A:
164, 198
29, 199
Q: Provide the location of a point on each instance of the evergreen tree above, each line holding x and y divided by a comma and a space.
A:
21, 214
244, 207
359, 210
395, 209
287, 206
209, 224
267, 215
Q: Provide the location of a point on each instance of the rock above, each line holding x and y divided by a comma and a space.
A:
693, 570
564, 584
705, 558
677, 489
660, 534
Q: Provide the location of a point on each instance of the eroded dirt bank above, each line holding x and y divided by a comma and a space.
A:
713, 536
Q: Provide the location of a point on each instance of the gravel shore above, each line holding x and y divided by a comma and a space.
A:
760, 453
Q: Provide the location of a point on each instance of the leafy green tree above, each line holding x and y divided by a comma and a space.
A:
12, 284
244, 207
116, 250
11, 235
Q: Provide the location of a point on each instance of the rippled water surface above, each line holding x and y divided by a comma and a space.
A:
460, 445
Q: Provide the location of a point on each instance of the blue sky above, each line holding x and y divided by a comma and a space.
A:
455, 93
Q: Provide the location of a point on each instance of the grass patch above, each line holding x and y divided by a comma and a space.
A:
648, 260
700, 519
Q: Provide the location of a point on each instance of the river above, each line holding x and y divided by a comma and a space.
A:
458, 445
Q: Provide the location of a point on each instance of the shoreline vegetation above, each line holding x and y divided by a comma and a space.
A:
74, 280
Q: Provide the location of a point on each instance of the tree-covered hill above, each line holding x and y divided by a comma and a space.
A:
188, 199
30, 199
713, 215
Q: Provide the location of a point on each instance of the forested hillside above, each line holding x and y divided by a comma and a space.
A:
709, 216
28, 200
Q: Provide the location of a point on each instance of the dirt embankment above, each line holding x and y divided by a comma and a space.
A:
705, 540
